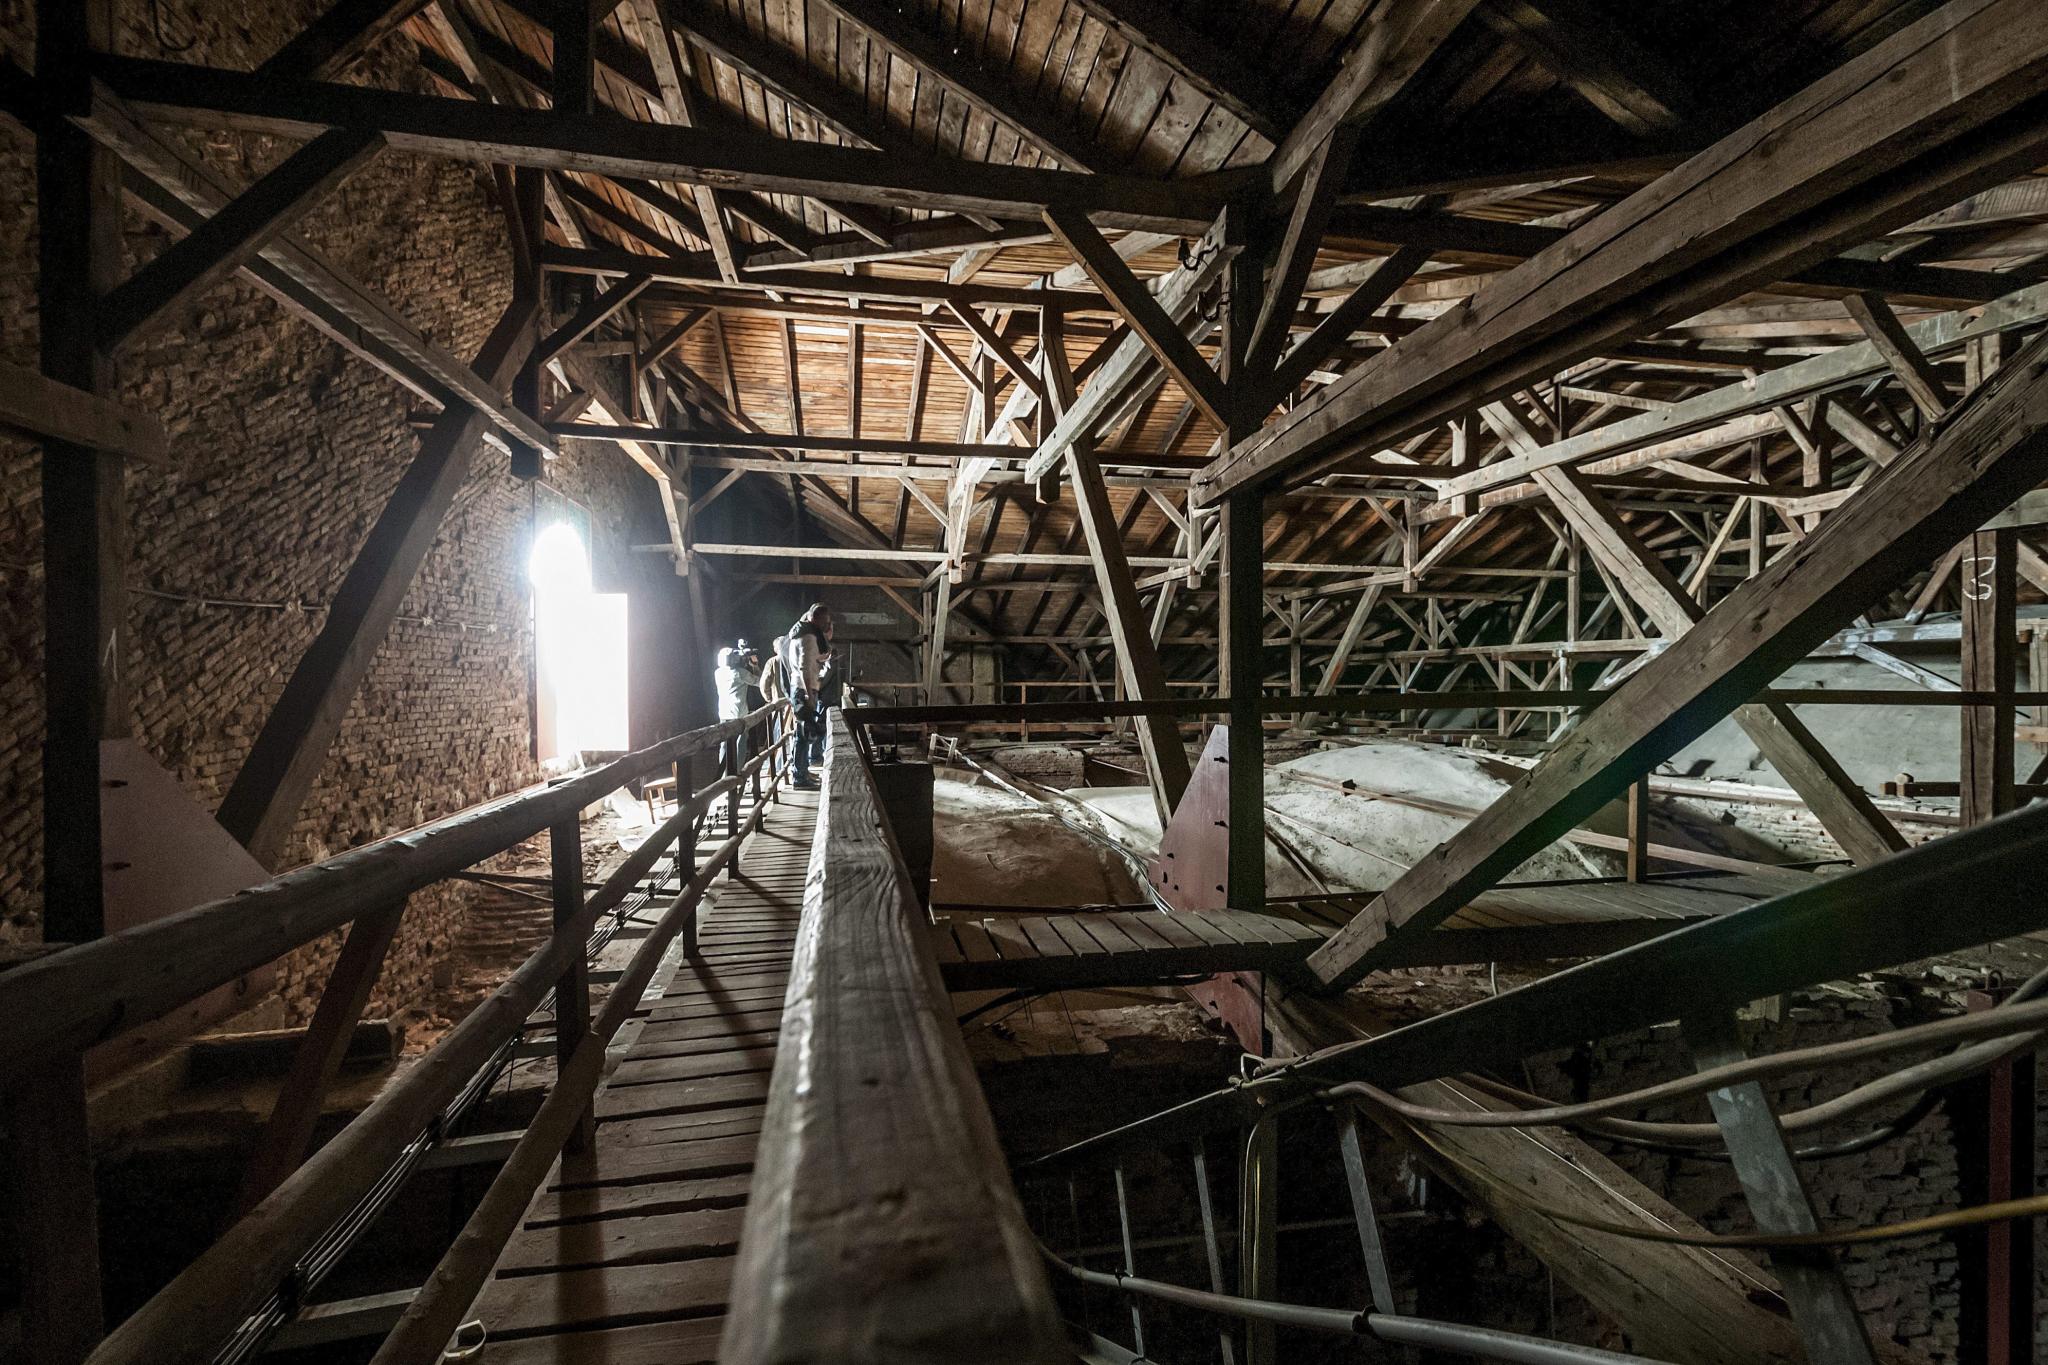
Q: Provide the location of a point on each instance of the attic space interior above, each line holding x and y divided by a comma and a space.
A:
1045, 682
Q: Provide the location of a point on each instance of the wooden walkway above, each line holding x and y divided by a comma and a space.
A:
1506, 924
625, 1255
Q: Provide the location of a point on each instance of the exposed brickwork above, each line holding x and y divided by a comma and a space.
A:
287, 448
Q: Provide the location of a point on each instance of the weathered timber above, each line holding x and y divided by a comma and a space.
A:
1943, 486
882, 1223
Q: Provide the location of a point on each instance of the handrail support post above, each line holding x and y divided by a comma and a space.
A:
572, 992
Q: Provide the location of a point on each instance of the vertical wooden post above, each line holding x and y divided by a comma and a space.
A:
1994, 1125
50, 1189
1639, 828
1990, 649
1241, 609
572, 992
85, 561
1241, 605
84, 507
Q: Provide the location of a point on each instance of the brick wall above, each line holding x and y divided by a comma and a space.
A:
286, 449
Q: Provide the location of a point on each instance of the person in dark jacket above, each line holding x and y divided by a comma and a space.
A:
803, 661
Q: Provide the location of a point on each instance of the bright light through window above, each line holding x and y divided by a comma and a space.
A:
580, 650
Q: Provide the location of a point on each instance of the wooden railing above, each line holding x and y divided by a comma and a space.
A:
882, 1224
61, 1005
440, 1308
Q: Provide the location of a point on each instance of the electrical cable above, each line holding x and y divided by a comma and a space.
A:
2027, 1020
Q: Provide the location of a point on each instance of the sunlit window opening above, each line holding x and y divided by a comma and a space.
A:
579, 650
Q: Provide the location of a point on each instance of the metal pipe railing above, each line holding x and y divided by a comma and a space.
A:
1485, 1343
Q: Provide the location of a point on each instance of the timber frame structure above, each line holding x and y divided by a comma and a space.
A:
1252, 362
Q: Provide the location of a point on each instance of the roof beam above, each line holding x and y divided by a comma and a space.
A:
1760, 394
217, 248
1149, 321
1399, 36
1945, 485
607, 145
1595, 56
1940, 109
175, 187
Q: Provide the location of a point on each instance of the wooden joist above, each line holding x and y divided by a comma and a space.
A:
1943, 486
1743, 410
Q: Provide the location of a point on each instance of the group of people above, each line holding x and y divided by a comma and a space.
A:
799, 667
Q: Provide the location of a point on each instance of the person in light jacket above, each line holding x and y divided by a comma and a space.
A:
774, 687
733, 676
804, 660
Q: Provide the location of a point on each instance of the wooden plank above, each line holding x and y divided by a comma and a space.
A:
44, 410
662, 1238
698, 1095
690, 1171
1135, 925
976, 944
1044, 937
936, 60
1174, 931
1944, 485
1209, 66
618, 1296
653, 1197
682, 1341
636, 1070
1008, 935
945, 945
951, 1271
668, 1129
1703, 232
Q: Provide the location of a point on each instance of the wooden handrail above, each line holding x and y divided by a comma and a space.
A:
882, 1224
187, 1320
72, 999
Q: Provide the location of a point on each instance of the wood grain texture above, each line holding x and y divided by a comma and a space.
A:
883, 1225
